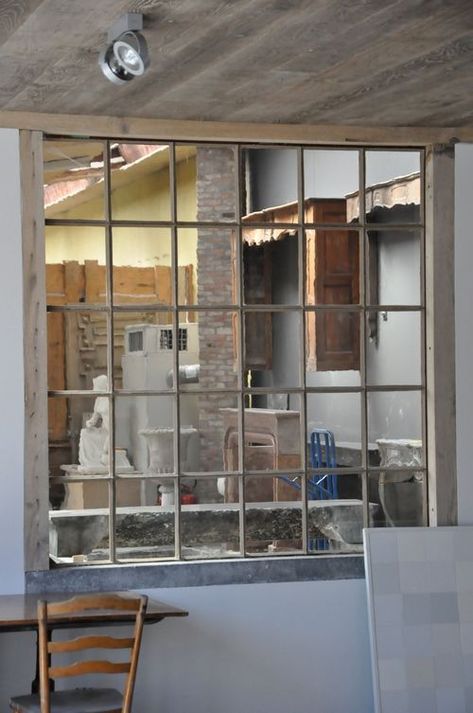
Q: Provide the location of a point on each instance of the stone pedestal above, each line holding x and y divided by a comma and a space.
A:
91, 494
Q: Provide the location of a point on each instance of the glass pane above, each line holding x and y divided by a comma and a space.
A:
393, 186
209, 529
78, 428
144, 433
334, 430
331, 188
272, 348
143, 351
273, 515
142, 266
78, 533
140, 182
332, 267
75, 265
208, 268
270, 266
270, 193
205, 183
333, 345
400, 497
395, 425
209, 437
393, 267
77, 349
273, 432
74, 179
335, 513
208, 350
393, 351
145, 518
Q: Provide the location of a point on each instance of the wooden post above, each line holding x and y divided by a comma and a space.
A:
35, 353
440, 334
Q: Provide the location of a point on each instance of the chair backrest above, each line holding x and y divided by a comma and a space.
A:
79, 605
318, 458
323, 454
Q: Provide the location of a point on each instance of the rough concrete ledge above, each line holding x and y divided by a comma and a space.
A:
195, 574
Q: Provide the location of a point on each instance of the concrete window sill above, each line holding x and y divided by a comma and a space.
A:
195, 574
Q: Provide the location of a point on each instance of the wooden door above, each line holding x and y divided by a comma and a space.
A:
257, 291
333, 278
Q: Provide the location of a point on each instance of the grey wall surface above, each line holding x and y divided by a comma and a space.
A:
464, 327
11, 367
276, 648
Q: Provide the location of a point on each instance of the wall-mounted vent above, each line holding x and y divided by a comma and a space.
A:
165, 339
182, 339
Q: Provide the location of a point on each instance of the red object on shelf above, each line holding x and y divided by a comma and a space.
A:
188, 499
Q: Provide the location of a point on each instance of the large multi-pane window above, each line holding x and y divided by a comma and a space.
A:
235, 348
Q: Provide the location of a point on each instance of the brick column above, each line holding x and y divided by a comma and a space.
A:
216, 197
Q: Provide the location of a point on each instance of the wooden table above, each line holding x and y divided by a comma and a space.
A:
18, 613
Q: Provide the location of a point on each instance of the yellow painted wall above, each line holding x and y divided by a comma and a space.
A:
144, 199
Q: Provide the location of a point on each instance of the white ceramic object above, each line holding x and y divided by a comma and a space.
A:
161, 456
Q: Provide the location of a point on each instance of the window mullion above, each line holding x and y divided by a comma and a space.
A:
112, 516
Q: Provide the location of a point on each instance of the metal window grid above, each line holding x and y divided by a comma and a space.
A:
362, 227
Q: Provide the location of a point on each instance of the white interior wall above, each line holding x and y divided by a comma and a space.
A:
284, 648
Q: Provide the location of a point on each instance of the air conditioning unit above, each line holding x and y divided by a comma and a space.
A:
152, 338
147, 362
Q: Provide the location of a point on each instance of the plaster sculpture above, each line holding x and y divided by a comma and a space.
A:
93, 444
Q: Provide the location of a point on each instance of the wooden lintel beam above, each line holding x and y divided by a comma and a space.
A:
167, 129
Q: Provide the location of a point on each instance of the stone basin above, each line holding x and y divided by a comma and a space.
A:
81, 531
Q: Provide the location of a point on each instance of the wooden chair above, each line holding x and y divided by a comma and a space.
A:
84, 700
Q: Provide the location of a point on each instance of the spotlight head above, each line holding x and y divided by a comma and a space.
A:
127, 55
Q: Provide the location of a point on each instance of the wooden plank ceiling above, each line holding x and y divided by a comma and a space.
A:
370, 62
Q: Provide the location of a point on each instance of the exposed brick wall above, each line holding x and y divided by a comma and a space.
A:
216, 174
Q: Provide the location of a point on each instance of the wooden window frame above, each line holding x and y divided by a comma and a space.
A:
439, 286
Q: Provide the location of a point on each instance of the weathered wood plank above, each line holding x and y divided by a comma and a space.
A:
440, 335
35, 354
327, 66
13, 13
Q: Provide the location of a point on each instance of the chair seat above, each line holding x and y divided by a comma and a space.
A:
77, 700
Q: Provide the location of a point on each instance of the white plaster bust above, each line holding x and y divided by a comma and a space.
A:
93, 444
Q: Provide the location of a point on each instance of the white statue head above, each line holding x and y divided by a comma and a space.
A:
100, 383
